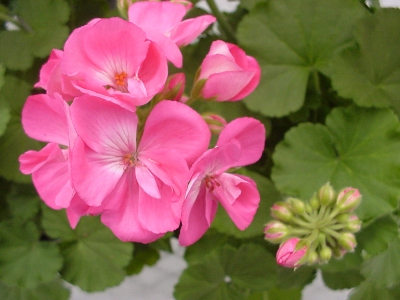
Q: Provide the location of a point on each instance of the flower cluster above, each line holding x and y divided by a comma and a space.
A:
122, 143
313, 232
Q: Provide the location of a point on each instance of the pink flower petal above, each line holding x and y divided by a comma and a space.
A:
177, 127
249, 133
188, 30
147, 181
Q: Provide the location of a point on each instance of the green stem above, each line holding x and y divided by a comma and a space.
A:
302, 223
331, 232
317, 83
225, 27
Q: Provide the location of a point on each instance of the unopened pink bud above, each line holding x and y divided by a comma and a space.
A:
275, 231
348, 199
174, 87
288, 256
281, 211
347, 241
353, 224
215, 122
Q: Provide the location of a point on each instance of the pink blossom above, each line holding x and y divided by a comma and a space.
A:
288, 256
210, 183
138, 188
53, 81
174, 87
49, 166
162, 22
230, 74
113, 60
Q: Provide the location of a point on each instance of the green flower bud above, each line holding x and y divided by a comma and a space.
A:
314, 202
297, 205
342, 218
338, 252
326, 194
312, 257
325, 254
353, 223
348, 199
282, 211
275, 232
347, 241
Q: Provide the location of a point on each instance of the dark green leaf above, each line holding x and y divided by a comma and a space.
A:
25, 261
94, 257
369, 71
142, 255
292, 279
227, 274
384, 269
54, 290
358, 148
342, 280
369, 291
292, 40
23, 202
383, 231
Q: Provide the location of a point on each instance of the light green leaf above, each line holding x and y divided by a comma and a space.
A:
369, 291
269, 195
94, 258
14, 141
54, 290
42, 31
292, 40
384, 269
226, 274
369, 71
25, 261
384, 230
357, 147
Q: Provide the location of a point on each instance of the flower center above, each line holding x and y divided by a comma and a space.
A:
120, 81
211, 182
129, 160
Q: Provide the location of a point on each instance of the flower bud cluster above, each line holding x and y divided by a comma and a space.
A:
313, 232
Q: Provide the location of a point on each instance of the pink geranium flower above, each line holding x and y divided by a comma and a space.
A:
288, 255
230, 74
241, 143
162, 22
138, 187
113, 60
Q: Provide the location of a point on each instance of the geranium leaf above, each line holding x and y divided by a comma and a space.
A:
384, 230
384, 269
142, 255
369, 71
24, 260
357, 147
42, 31
226, 274
94, 257
369, 291
269, 195
292, 39
45, 291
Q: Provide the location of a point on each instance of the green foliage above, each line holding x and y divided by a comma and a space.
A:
37, 34
369, 71
24, 260
298, 40
46, 291
227, 274
357, 147
94, 257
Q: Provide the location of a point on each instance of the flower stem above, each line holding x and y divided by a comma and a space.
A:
225, 27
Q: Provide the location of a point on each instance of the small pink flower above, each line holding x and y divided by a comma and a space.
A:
162, 22
230, 74
288, 256
240, 143
113, 60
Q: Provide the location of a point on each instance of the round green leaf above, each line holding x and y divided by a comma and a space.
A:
384, 230
25, 261
292, 39
369, 291
54, 290
226, 274
384, 269
369, 71
94, 258
357, 147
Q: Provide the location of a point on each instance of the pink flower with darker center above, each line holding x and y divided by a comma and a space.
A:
138, 187
241, 143
112, 59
